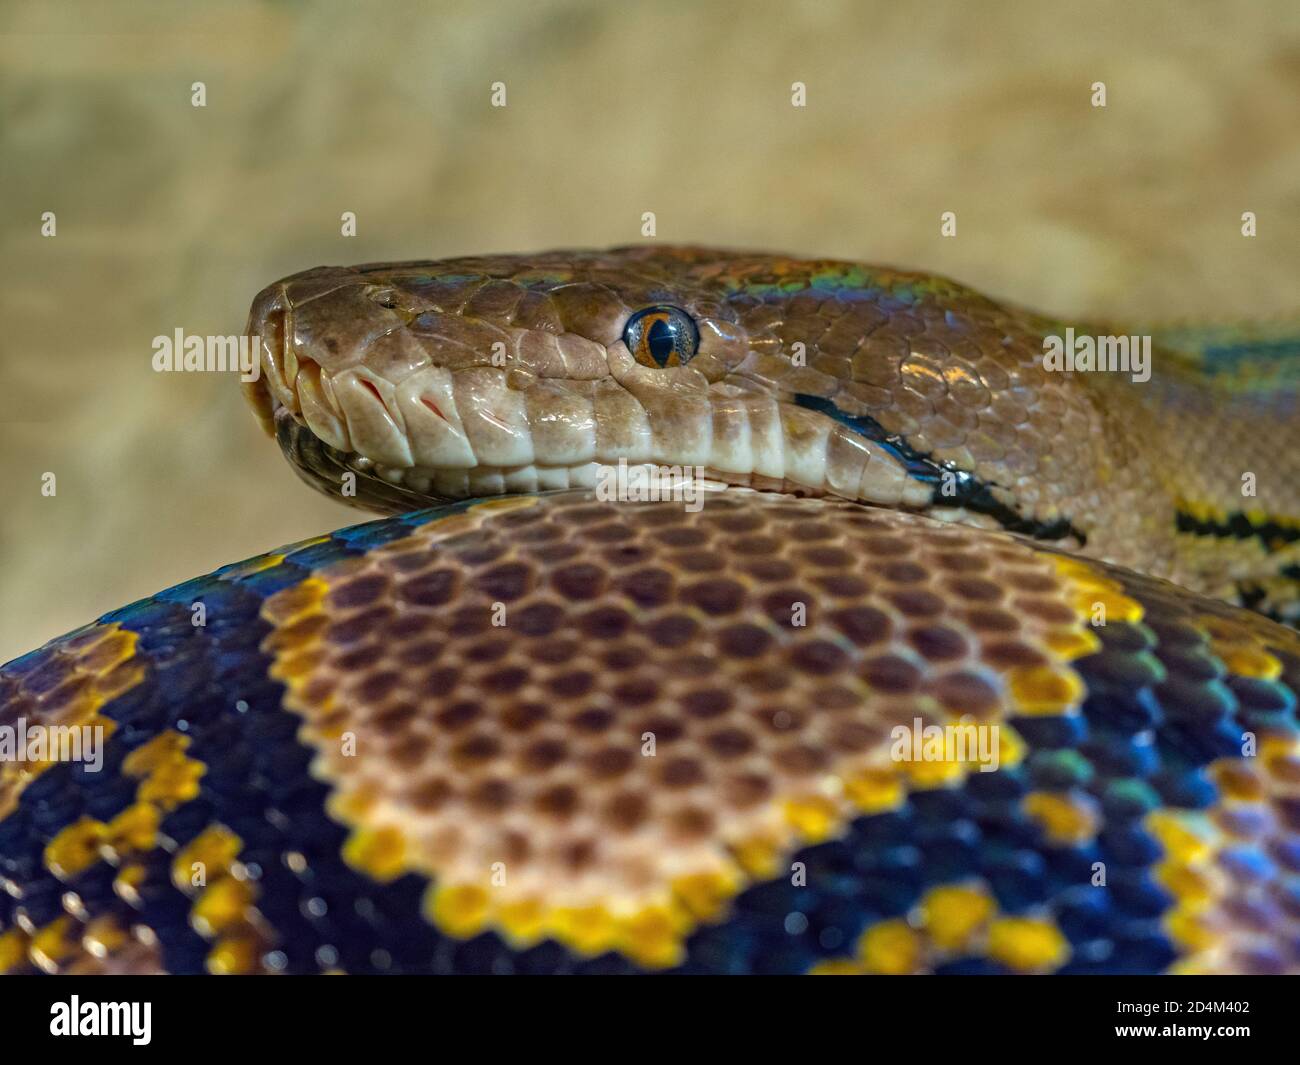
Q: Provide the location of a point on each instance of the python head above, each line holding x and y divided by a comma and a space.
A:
430, 381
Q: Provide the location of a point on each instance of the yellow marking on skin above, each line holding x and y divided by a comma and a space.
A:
165, 747
378, 852
103, 936
169, 775
1280, 757
1237, 780
1187, 883
506, 503
225, 897
1174, 833
1070, 644
134, 829
460, 910
295, 602
117, 681
1202, 921
1012, 748
106, 654
705, 895
1090, 589
234, 955
925, 774
162, 768
813, 817
295, 636
951, 921
1257, 516
1240, 649
1081, 574
173, 781
1028, 944
876, 790
653, 937
126, 885
1188, 927
837, 967
1042, 690
1113, 606
263, 562
759, 856
589, 930
1253, 662
351, 806
890, 948
13, 949
222, 906
523, 921
297, 667
214, 850
74, 849
1203, 512
1066, 819
101, 667
52, 945
953, 915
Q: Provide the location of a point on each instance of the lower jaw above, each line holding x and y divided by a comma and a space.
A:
392, 489
397, 490
624, 480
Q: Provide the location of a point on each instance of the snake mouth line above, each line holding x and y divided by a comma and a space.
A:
968, 492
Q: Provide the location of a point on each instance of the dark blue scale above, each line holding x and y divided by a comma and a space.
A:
320, 555
1064, 730
1116, 754
378, 533
41, 902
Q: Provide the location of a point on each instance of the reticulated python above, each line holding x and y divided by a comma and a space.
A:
800, 725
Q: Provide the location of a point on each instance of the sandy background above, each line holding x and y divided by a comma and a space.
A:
173, 216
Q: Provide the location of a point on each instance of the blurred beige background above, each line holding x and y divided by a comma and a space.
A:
171, 216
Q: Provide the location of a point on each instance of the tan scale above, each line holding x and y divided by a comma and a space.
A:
648, 727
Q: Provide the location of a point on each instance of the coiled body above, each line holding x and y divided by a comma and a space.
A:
555, 733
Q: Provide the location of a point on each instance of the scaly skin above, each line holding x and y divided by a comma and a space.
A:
551, 733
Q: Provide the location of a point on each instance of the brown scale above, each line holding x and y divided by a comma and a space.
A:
659, 716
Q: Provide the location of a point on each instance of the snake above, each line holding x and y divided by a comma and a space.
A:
726, 613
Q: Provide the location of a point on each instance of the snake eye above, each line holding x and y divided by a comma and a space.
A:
661, 336
385, 297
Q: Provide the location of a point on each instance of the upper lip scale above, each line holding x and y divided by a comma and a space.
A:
760, 388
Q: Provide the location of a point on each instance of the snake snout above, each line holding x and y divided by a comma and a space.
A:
266, 328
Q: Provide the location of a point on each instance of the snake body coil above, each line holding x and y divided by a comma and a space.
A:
915, 693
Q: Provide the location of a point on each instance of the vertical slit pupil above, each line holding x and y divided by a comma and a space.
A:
661, 340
